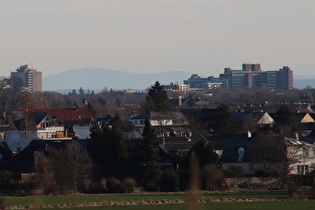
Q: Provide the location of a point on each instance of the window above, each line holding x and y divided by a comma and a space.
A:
302, 169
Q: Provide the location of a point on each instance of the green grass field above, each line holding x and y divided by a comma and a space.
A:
77, 199
279, 205
17, 201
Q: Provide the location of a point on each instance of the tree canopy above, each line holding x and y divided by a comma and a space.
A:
286, 121
108, 147
148, 157
223, 123
157, 99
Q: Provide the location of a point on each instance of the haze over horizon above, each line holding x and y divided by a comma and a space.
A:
139, 36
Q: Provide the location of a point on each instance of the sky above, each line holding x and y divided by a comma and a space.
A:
150, 36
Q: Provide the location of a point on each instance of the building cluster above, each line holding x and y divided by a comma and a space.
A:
24, 132
250, 77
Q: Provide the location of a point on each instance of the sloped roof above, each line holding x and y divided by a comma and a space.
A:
80, 122
204, 116
304, 117
239, 116
63, 114
24, 160
230, 148
38, 117
107, 120
177, 116
16, 119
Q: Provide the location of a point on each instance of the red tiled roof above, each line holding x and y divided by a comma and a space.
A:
63, 114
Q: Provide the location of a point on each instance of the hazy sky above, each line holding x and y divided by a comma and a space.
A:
199, 36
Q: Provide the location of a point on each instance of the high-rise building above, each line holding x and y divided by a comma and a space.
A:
26, 79
251, 76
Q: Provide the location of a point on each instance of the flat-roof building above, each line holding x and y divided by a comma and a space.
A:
251, 76
26, 79
196, 82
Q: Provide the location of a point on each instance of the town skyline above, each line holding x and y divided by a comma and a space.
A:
158, 36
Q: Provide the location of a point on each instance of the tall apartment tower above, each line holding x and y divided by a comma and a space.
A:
27, 79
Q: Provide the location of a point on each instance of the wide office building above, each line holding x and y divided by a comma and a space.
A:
26, 79
196, 83
251, 77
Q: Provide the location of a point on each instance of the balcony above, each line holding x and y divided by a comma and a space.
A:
51, 129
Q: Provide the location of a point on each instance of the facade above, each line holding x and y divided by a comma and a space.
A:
177, 87
26, 79
196, 83
251, 76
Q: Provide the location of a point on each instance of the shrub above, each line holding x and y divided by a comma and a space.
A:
2, 203
170, 182
236, 171
151, 179
184, 179
212, 178
129, 185
312, 192
115, 186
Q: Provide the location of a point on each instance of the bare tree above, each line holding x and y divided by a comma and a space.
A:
64, 167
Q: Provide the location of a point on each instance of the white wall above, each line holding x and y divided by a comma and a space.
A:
83, 132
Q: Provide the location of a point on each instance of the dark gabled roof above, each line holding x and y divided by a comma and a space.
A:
81, 122
158, 116
16, 119
230, 148
107, 120
308, 139
178, 144
191, 112
38, 117
141, 117
307, 126
239, 116
24, 160
63, 114
204, 116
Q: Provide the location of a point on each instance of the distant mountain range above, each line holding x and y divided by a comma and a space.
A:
98, 78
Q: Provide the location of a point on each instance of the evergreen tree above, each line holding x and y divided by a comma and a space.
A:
204, 153
148, 157
223, 123
81, 91
157, 99
191, 101
286, 121
107, 146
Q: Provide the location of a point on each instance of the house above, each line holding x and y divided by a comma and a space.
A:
63, 114
158, 119
26, 126
260, 118
240, 151
78, 128
172, 130
155, 119
47, 123
23, 163
204, 117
